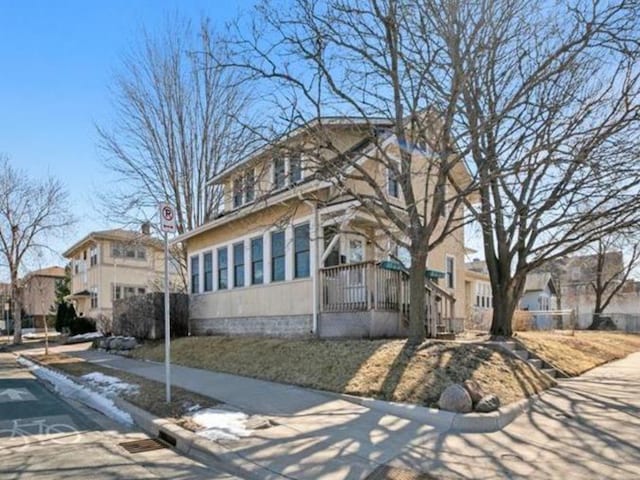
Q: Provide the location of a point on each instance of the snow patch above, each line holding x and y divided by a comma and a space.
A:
221, 424
70, 389
85, 336
108, 385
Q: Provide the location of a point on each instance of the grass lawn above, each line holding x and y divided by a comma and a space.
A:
575, 354
150, 396
384, 369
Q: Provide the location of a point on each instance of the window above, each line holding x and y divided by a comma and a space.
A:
301, 249
93, 256
238, 265
128, 251
450, 273
249, 186
94, 297
392, 184
329, 233
277, 256
195, 274
223, 268
141, 291
237, 192
257, 262
278, 173
295, 168
141, 253
76, 266
208, 271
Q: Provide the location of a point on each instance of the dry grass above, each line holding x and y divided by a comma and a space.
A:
575, 354
150, 396
385, 369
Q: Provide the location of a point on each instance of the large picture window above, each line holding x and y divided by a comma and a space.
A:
301, 249
223, 268
238, 265
195, 274
277, 256
257, 262
207, 260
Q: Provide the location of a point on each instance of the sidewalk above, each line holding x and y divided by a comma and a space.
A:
585, 428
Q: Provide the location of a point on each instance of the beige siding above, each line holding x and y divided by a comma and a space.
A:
275, 299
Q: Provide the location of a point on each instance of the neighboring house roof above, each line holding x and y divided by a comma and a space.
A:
538, 282
475, 275
117, 234
54, 271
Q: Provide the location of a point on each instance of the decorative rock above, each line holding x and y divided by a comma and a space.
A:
116, 343
474, 389
455, 398
488, 403
128, 343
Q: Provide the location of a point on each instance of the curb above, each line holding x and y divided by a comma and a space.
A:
186, 442
443, 420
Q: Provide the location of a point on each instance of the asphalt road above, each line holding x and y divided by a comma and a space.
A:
43, 436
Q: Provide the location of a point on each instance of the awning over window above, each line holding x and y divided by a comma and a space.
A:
399, 267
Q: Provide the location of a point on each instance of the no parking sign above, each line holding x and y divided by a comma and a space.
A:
167, 218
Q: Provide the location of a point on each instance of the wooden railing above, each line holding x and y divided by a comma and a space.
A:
367, 286
361, 287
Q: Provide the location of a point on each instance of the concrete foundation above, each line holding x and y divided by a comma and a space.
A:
372, 324
290, 326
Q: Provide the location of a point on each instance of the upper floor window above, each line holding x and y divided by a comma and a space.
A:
93, 256
278, 173
249, 186
119, 250
393, 189
450, 272
295, 168
237, 192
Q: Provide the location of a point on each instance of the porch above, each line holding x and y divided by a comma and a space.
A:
374, 296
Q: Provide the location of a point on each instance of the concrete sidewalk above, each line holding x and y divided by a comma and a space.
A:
585, 428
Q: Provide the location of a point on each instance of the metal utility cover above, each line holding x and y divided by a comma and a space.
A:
144, 445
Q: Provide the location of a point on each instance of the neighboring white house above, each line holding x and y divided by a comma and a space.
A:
540, 295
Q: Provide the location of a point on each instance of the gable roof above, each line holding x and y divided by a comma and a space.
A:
537, 282
117, 234
54, 271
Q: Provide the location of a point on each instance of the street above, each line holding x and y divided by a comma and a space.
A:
44, 437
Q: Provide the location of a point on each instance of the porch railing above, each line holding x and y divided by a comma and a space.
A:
361, 287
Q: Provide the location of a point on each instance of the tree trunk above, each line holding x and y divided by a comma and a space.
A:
417, 298
505, 302
17, 309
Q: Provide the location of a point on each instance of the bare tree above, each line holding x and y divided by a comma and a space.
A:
613, 260
176, 125
31, 211
360, 60
550, 117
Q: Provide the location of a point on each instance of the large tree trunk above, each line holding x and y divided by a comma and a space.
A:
17, 309
417, 297
505, 302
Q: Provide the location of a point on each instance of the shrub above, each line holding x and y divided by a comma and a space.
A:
80, 325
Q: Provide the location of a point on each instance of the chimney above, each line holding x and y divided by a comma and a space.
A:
146, 228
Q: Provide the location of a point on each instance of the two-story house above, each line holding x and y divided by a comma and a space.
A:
291, 256
113, 264
39, 294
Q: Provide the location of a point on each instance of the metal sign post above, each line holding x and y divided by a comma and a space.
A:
167, 224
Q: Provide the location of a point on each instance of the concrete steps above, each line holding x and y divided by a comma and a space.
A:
536, 362
549, 371
523, 354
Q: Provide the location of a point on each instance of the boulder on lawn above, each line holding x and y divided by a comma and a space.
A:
488, 403
455, 398
128, 343
474, 389
115, 343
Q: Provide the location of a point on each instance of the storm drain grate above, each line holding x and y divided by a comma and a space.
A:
385, 472
145, 445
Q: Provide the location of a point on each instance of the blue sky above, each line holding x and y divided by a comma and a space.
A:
56, 62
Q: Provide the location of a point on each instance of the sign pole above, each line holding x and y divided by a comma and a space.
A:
167, 224
167, 316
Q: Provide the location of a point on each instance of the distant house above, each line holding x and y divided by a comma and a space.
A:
540, 295
112, 264
39, 294
478, 296
291, 255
